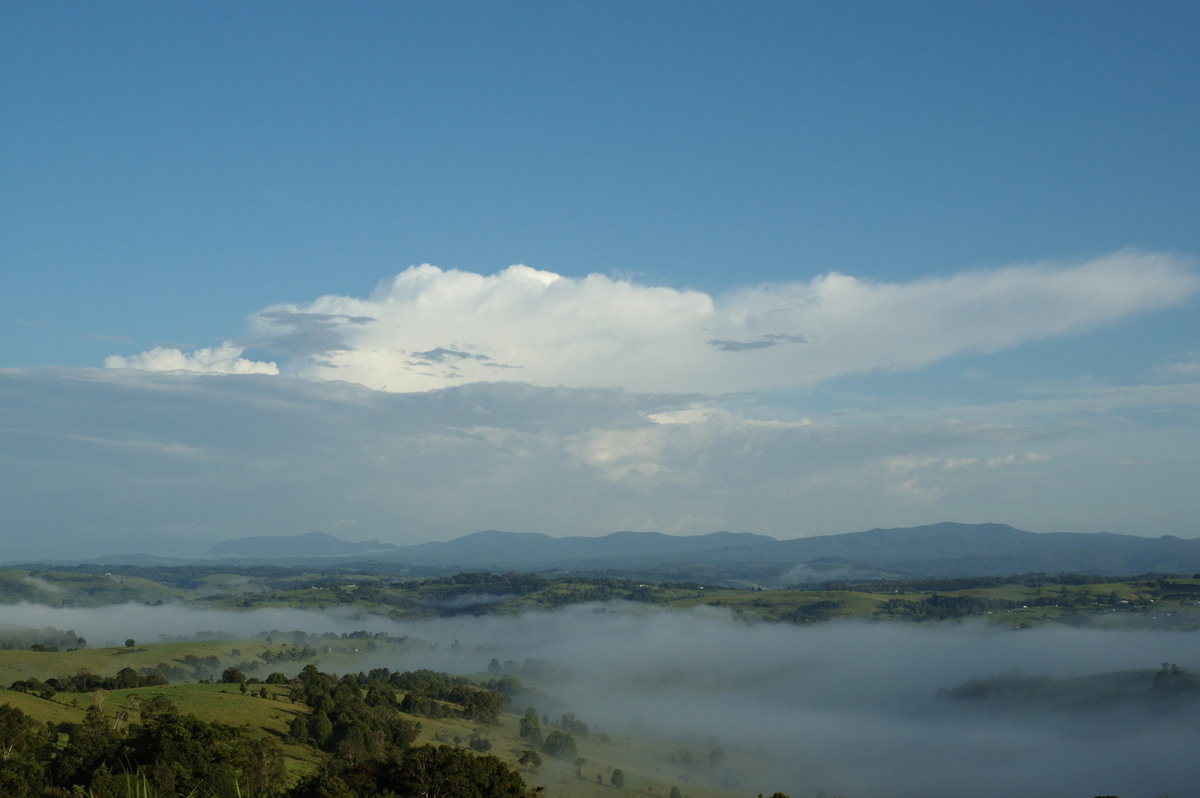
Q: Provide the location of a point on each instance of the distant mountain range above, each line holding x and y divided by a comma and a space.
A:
313, 544
937, 550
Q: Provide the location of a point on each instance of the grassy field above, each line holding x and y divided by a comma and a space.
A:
16, 664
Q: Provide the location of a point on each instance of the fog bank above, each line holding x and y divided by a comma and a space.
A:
849, 708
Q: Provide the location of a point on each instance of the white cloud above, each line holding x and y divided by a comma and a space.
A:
913, 489
1180, 369
623, 454
1014, 459
224, 359
427, 328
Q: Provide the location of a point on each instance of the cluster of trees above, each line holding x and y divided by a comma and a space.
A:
1173, 680
299, 641
47, 639
812, 611
949, 584
170, 752
558, 743
84, 681
685, 758
289, 654
939, 607
356, 719
433, 771
476, 582
431, 693
358, 716
534, 669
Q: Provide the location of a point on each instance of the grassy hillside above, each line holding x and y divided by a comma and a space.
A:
651, 766
202, 658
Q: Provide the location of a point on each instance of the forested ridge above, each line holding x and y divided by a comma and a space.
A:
1165, 600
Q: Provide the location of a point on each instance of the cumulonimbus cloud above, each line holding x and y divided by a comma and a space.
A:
429, 328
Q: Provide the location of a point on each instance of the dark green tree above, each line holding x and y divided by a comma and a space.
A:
531, 727
322, 784
180, 754
232, 675
89, 746
26, 747
560, 745
448, 772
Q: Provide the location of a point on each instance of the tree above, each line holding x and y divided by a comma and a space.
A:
675, 793
90, 745
232, 675
573, 724
560, 745
531, 727
156, 705
25, 748
129, 642
320, 728
617, 778
321, 785
127, 678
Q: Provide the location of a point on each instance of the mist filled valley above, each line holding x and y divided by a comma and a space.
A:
712, 700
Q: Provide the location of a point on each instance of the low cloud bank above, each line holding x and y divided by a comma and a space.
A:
848, 708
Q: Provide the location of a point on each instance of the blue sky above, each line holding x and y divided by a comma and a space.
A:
889, 263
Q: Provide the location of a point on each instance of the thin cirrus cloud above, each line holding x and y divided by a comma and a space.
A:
429, 328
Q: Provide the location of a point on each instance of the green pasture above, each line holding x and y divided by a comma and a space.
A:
19, 664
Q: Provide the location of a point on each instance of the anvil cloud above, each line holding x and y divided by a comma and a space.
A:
428, 328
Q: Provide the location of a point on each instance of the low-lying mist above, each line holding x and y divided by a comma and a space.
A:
848, 708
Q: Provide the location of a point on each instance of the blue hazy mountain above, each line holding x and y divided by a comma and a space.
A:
937, 550
312, 544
